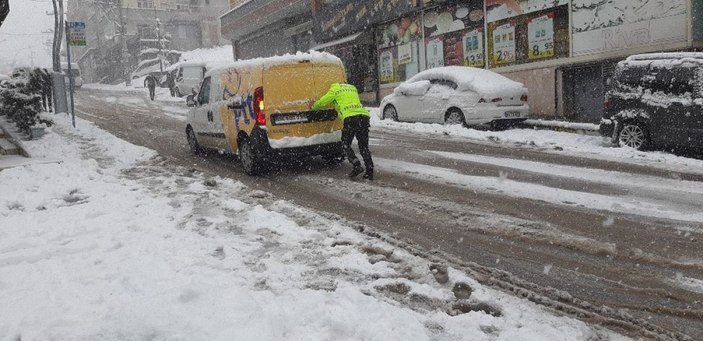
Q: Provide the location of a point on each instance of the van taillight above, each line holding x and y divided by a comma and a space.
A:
523, 98
259, 106
605, 104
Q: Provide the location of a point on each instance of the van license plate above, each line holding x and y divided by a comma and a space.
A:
289, 119
512, 114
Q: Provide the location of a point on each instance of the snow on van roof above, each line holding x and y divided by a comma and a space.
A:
312, 56
474, 79
664, 59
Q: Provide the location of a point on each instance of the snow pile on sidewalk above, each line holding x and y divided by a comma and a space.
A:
115, 244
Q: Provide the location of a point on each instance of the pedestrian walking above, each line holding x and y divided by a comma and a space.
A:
171, 83
356, 118
150, 82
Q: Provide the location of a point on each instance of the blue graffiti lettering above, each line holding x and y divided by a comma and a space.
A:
241, 112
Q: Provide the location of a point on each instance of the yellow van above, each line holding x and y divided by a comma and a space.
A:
260, 110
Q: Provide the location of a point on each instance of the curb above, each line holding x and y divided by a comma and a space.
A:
12, 136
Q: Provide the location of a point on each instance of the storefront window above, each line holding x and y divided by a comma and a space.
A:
399, 49
523, 32
454, 35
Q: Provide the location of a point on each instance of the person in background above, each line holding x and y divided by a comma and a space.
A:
345, 98
171, 82
150, 82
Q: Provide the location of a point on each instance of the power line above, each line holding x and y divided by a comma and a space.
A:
23, 34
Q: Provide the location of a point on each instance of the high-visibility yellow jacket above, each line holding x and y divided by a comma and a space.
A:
345, 98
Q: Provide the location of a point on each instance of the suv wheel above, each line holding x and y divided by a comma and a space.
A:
634, 135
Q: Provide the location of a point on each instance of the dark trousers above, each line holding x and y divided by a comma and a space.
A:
152, 90
357, 126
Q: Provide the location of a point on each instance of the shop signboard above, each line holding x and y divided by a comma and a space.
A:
504, 44
627, 25
345, 17
76, 33
541, 36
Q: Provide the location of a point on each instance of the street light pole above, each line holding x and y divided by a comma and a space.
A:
125, 75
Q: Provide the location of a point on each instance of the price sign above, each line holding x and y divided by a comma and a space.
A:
541, 36
435, 53
386, 67
504, 44
473, 48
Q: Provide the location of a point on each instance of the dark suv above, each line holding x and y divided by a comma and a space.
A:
656, 99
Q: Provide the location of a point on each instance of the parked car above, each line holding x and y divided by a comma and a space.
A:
458, 95
145, 67
656, 100
228, 112
188, 77
75, 71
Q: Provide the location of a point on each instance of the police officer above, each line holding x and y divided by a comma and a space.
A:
356, 119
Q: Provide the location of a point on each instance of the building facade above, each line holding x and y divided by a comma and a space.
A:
150, 26
562, 50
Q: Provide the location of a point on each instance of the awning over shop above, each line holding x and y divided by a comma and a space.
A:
336, 42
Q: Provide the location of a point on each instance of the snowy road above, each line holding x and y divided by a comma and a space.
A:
626, 235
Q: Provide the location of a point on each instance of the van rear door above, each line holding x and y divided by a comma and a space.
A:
289, 87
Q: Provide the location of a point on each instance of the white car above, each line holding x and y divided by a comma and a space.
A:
458, 95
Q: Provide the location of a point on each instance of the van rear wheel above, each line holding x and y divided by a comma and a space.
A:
251, 161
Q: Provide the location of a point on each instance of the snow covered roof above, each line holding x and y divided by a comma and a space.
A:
481, 81
311, 56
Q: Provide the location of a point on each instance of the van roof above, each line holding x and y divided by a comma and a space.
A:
311, 56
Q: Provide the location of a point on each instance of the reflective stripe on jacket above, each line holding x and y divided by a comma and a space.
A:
345, 98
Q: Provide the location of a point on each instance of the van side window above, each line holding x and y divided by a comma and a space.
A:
204, 94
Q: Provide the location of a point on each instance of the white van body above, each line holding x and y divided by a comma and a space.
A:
77, 75
189, 76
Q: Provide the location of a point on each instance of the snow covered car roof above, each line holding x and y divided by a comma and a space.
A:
664, 59
481, 81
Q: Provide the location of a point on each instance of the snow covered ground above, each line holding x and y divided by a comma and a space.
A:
112, 243
590, 146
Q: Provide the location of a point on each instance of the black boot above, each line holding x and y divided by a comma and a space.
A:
356, 171
369, 174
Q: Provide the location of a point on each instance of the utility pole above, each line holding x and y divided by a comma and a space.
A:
125, 55
158, 36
